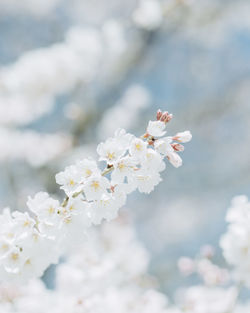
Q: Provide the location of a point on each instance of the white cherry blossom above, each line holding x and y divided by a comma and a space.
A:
156, 128
105, 208
110, 150
153, 161
123, 168
86, 168
69, 179
95, 187
147, 180
183, 136
163, 145
138, 148
123, 138
43, 206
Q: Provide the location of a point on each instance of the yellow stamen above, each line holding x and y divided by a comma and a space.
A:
121, 166
4, 247
88, 172
111, 156
71, 182
138, 147
95, 185
104, 202
26, 223
142, 178
14, 256
51, 210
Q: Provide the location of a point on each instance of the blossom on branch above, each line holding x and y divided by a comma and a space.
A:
29, 243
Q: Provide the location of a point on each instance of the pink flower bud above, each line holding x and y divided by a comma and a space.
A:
166, 117
178, 147
158, 115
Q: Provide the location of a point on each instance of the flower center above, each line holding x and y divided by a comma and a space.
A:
88, 172
121, 166
4, 247
14, 256
111, 156
26, 223
51, 210
138, 146
95, 184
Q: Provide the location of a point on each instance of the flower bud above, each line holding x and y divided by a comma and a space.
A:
183, 136
177, 147
158, 115
166, 117
174, 159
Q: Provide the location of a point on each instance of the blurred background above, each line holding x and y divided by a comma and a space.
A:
71, 72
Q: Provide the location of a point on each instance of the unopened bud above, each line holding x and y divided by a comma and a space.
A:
158, 115
177, 147
166, 117
207, 251
174, 159
163, 116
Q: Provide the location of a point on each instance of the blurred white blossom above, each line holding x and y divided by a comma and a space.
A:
149, 14
35, 148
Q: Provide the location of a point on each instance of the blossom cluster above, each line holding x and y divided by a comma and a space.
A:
105, 274
210, 273
30, 85
108, 274
203, 299
30, 242
236, 242
220, 288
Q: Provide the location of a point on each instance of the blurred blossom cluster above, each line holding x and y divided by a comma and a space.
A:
106, 274
219, 290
